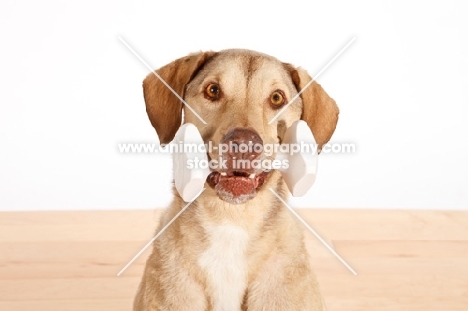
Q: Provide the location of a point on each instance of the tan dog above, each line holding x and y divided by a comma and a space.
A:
236, 247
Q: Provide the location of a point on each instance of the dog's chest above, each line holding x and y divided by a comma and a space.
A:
225, 265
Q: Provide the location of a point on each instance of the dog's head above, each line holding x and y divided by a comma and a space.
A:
237, 93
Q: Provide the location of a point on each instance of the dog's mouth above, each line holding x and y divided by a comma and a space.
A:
236, 187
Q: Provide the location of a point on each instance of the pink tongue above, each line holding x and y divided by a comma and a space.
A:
237, 185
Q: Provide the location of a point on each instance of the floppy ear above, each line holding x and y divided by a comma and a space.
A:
319, 110
163, 107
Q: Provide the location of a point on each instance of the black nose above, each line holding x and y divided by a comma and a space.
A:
243, 143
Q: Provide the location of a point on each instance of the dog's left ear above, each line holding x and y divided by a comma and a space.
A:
319, 110
163, 107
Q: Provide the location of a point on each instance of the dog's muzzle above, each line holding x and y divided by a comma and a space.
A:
239, 179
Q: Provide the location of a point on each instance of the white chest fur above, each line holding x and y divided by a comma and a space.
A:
225, 265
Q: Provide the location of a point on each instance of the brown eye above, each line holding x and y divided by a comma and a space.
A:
212, 91
277, 99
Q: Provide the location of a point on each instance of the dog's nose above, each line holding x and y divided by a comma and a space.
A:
243, 143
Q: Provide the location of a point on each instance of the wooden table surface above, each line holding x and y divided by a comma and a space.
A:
405, 260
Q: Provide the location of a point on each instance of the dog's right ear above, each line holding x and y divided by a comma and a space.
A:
163, 107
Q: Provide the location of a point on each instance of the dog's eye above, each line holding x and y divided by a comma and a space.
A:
212, 91
277, 99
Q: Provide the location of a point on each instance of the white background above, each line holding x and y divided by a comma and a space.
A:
71, 91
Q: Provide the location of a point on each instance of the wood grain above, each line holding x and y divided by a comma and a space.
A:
406, 260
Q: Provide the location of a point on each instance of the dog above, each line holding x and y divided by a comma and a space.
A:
236, 247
